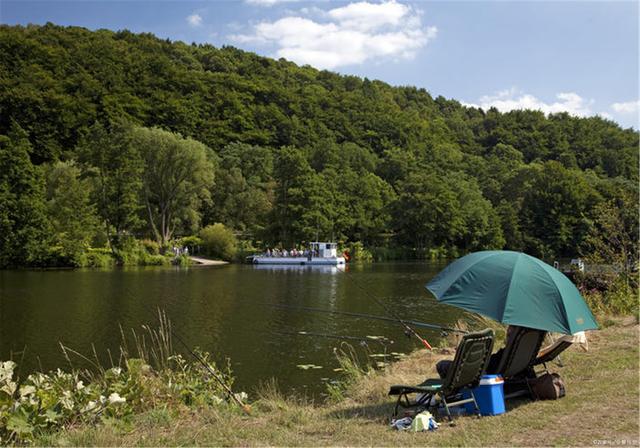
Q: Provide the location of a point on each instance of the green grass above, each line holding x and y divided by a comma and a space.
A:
601, 406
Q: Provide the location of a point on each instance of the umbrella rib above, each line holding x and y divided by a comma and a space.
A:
510, 283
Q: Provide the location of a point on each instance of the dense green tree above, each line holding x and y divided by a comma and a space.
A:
427, 212
555, 209
243, 194
24, 228
72, 215
176, 179
116, 167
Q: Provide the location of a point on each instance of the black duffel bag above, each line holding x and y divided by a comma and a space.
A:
547, 387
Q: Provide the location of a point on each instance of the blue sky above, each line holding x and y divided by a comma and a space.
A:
579, 57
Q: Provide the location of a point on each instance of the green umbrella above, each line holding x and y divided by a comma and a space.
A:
514, 288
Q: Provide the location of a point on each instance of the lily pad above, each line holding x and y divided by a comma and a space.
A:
308, 366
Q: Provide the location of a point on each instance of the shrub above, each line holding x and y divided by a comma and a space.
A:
191, 242
152, 247
219, 241
615, 297
182, 260
358, 253
134, 253
98, 258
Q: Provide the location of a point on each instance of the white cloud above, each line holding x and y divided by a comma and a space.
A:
268, 2
513, 99
194, 20
346, 35
626, 108
606, 115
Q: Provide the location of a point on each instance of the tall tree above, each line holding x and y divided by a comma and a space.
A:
116, 167
176, 179
72, 215
24, 228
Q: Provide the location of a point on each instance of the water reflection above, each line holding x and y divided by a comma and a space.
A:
224, 310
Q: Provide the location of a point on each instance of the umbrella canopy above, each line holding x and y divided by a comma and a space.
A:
514, 288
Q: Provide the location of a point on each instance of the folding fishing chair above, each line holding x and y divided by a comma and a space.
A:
470, 362
553, 351
517, 360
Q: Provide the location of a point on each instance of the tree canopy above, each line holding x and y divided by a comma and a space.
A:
192, 135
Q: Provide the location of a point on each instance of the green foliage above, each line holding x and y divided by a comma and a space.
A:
98, 258
152, 247
72, 215
115, 167
24, 227
617, 297
243, 194
46, 402
358, 253
182, 260
352, 370
296, 153
133, 253
613, 238
219, 241
175, 180
192, 242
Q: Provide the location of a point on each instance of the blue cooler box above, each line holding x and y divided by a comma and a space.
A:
489, 396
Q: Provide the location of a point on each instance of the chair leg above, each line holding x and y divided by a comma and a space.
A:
395, 410
475, 405
446, 409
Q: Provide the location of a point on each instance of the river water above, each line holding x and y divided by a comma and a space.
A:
241, 312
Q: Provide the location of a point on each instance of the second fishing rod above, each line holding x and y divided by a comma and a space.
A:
408, 329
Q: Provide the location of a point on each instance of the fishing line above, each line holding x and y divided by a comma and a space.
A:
390, 312
232, 396
368, 316
364, 341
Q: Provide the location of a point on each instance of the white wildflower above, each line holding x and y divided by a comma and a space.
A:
90, 406
114, 398
116, 370
6, 370
242, 396
26, 391
67, 400
103, 399
80, 385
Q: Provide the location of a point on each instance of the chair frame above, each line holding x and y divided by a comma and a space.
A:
446, 389
508, 356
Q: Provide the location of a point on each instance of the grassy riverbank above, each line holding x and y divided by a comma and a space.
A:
601, 407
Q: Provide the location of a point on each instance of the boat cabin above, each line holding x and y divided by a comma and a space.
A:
324, 250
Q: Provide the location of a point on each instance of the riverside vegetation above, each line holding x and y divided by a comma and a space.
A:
175, 402
109, 139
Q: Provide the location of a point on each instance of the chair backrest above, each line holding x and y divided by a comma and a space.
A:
470, 362
520, 351
550, 353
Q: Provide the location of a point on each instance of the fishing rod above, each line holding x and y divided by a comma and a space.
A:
415, 323
363, 341
245, 407
408, 329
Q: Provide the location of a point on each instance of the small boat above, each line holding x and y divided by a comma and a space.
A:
318, 254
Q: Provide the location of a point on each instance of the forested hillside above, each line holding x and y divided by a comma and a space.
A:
108, 135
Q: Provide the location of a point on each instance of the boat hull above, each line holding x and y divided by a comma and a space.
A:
300, 261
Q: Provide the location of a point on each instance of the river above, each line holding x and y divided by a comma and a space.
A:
233, 311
